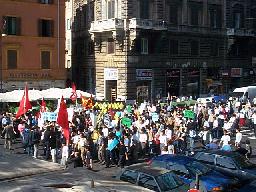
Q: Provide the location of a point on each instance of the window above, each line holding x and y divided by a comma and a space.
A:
129, 176
111, 46
45, 28
144, 9
194, 16
237, 20
173, 15
194, 48
174, 47
45, 59
12, 25
147, 182
213, 18
12, 59
225, 162
111, 9
238, 16
214, 49
46, 1
144, 46
68, 24
69, 44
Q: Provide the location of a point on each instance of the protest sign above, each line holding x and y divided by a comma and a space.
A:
189, 114
126, 122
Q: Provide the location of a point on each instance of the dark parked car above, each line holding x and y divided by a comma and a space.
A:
156, 179
250, 187
229, 163
187, 168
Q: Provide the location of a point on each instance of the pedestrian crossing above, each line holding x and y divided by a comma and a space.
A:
248, 132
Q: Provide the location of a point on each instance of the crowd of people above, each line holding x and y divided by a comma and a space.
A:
113, 143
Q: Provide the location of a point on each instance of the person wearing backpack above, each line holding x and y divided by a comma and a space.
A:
36, 136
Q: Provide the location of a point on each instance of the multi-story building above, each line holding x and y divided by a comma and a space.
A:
145, 49
241, 41
32, 44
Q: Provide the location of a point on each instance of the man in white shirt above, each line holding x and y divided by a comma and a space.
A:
238, 137
225, 139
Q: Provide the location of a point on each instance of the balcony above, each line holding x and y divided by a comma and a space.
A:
240, 32
107, 25
196, 29
136, 23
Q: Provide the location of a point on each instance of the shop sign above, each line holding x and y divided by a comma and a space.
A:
173, 73
29, 75
144, 74
110, 74
236, 72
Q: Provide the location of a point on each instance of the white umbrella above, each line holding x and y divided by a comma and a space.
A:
16, 95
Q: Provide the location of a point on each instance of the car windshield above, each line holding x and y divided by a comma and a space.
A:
243, 163
197, 168
168, 181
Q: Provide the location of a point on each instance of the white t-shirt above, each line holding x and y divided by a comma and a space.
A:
225, 139
238, 137
64, 151
163, 139
143, 138
105, 132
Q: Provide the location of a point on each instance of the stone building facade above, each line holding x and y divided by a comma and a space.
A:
147, 49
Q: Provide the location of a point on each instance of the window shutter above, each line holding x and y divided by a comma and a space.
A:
219, 18
113, 9
18, 26
40, 27
4, 25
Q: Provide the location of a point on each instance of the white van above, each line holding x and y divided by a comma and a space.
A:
245, 93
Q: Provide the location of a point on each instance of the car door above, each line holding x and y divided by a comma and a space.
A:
227, 165
148, 182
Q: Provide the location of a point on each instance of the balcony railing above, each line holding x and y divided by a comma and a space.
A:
240, 32
196, 29
136, 23
107, 25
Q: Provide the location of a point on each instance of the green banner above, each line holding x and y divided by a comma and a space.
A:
189, 114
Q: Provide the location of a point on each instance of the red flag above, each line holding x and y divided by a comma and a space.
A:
73, 96
62, 119
25, 104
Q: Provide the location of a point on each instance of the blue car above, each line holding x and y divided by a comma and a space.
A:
187, 168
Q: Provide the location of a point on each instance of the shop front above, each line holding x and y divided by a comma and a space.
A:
110, 83
144, 84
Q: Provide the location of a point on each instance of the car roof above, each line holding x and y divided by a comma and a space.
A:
145, 168
222, 153
181, 159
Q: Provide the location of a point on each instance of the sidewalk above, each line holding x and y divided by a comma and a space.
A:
13, 165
